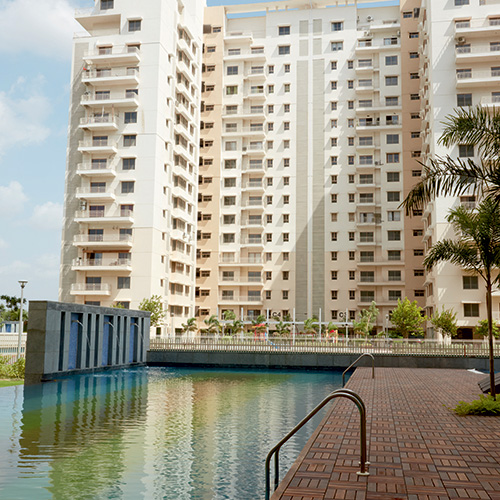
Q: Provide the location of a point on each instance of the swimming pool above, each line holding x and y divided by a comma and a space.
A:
153, 433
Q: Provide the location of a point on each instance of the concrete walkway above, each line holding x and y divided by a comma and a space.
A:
418, 449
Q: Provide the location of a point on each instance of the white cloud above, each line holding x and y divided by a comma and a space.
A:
12, 199
47, 216
3, 243
47, 265
41, 27
24, 113
14, 268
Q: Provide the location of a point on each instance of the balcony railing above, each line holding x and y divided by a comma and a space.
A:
113, 51
91, 287
101, 262
102, 238
240, 260
110, 73
83, 214
103, 119
464, 75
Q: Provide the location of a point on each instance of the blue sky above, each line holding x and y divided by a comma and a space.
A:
35, 44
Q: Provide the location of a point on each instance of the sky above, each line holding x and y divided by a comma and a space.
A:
35, 44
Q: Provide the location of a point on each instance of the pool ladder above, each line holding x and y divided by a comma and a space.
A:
339, 393
354, 362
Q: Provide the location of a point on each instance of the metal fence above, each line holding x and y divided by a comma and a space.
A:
385, 347
8, 347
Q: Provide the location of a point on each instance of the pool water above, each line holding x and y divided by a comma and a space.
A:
154, 433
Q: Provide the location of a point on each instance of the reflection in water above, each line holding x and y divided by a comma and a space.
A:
155, 433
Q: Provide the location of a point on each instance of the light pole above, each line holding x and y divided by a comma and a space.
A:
23, 284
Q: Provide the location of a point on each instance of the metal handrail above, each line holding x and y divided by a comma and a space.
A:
339, 393
353, 363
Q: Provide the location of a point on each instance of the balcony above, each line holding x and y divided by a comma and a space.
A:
108, 264
241, 280
253, 204
253, 222
246, 131
99, 241
253, 55
256, 148
238, 36
113, 55
380, 263
95, 18
96, 170
251, 242
253, 185
257, 167
241, 299
100, 122
90, 289
474, 78
478, 28
491, 102
104, 216
240, 261
480, 53
98, 146
364, 107
122, 100
115, 76
377, 125
370, 48
100, 193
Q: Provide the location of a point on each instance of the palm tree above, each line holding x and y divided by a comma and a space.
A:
213, 325
259, 325
445, 176
476, 249
189, 326
311, 325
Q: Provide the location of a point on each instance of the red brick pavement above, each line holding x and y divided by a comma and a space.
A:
418, 448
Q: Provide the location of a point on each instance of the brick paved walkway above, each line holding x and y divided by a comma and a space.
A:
418, 449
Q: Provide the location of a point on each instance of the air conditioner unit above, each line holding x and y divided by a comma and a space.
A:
83, 205
377, 162
461, 39
367, 33
244, 148
369, 19
398, 33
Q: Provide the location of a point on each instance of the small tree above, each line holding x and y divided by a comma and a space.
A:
189, 326
282, 328
259, 324
311, 326
154, 305
407, 318
446, 322
213, 325
10, 310
366, 321
482, 329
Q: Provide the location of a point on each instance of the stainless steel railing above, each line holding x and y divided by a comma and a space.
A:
355, 361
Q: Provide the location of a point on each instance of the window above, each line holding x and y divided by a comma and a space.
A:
351, 197
393, 216
211, 49
470, 282
334, 294
285, 275
351, 178
231, 89
392, 176
336, 46
130, 117
286, 162
391, 80
350, 84
284, 50
333, 255
286, 218
392, 158
414, 55
286, 144
392, 139
334, 217
286, 68
413, 34
232, 70
268, 294
333, 65
229, 164
415, 135
407, 14
334, 142
416, 173
414, 116
230, 146
418, 252
127, 187
414, 97
284, 294
418, 272
461, 2
352, 255
286, 108
270, 89
123, 282
352, 275
286, 87
350, 104
270, 126
128, 164
334, 315
393, 195
333, 160
465, 150
394, 255
391, 60
464, 73
352, 294
107, 4
395, 295
414, 76
418, 232
471, 310
286, 181
286, 237
134, 25
129, 140
337, 26
270, 69
394, 235
286, 199
283, 30
419, 293
286, 256
334, 236
394, 275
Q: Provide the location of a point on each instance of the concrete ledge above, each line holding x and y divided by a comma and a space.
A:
308, 360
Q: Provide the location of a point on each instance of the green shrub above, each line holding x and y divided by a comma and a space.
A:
485, 405
15, 370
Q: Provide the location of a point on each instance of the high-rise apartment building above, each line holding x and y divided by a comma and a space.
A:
311, 121
132, 165
460, 66
301, 169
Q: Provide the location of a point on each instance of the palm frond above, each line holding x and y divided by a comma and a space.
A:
460, 253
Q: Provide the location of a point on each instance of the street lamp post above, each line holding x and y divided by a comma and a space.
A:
23, 284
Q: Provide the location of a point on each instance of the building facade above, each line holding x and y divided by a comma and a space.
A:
253, 158
132, 165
